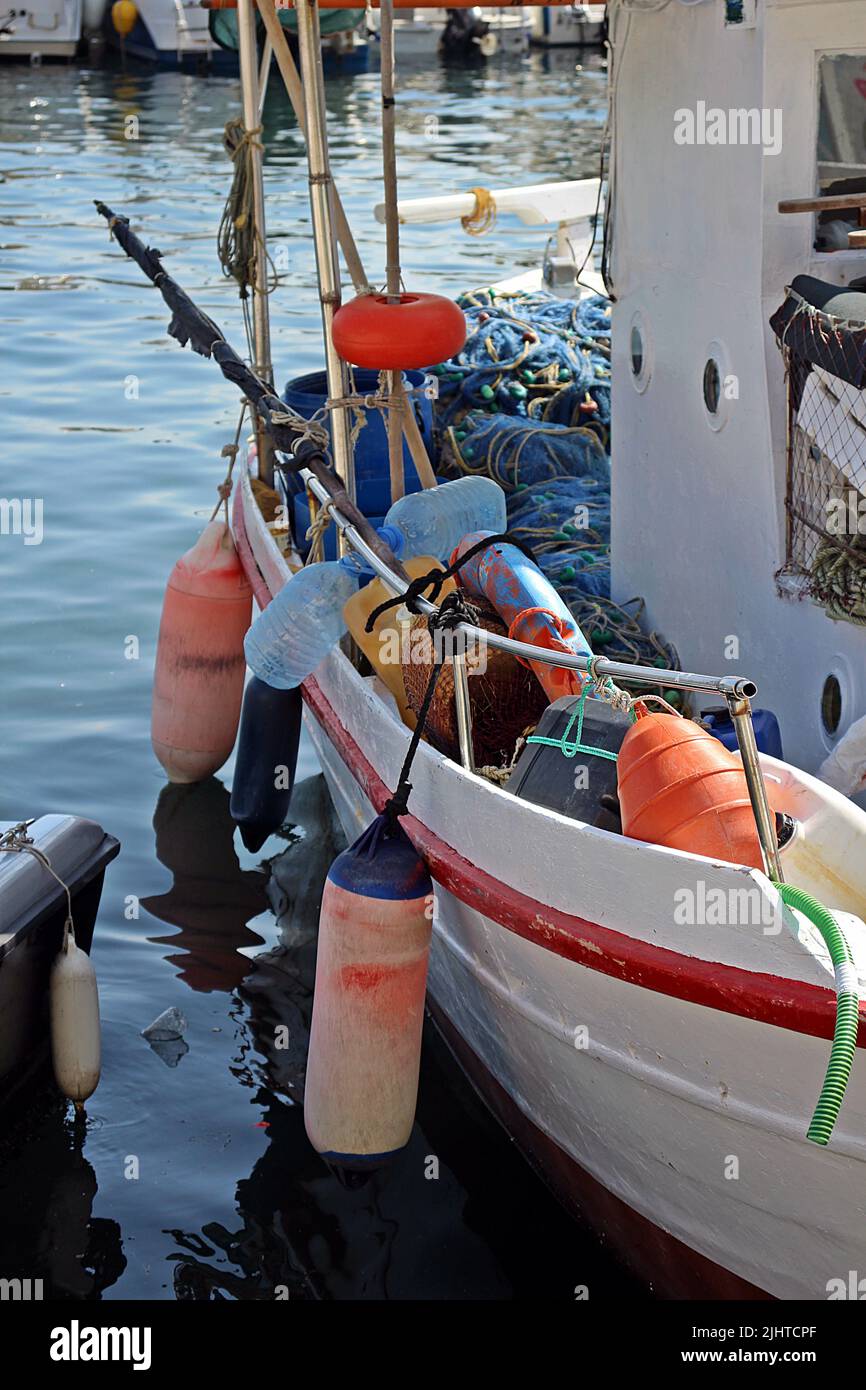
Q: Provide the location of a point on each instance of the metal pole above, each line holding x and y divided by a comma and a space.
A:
741, 716
248, 59
462, 706
321, 205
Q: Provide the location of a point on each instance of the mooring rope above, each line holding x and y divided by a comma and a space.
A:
15, 840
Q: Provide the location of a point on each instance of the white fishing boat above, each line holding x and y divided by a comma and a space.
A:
651, 1022
656, 1075
568, 26
48, 28
481, 30
202, 37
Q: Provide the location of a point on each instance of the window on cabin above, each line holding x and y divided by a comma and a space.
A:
841, 142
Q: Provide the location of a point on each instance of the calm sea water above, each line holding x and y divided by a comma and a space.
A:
195, 1180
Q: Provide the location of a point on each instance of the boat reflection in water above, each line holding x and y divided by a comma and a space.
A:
412, 1230
49, 1232
212, 898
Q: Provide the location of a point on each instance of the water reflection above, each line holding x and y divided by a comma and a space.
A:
211, 898
49, 1231
420, 1228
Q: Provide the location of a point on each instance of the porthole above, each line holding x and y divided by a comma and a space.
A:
636, 346
639, 352
831, 705
712, 386
718, 386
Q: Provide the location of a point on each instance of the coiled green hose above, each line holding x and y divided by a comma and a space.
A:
847, 1010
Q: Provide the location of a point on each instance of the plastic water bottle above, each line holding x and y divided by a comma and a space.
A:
301, 624
305, 620
434, 521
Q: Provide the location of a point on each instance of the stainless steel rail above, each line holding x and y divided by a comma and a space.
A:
736, 690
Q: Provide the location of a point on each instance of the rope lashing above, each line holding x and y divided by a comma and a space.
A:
315, 533
15, 840
603, 688
482, 218
312, 429
230, 452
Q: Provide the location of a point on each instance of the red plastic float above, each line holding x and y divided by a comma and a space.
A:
397, 334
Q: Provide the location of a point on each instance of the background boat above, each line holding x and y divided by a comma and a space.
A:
568, 26
47, 28
33, 910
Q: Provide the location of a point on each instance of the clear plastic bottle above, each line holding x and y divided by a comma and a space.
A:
301, 624
434, 521
305, 619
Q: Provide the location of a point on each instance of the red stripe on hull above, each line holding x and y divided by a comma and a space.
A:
791, 1004
670, 1268
247, 558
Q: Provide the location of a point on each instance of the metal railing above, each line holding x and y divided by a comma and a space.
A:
737, 691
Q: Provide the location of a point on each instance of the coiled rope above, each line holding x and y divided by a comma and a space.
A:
238, 238
482, 218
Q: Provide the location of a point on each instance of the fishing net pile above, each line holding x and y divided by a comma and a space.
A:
527, 403
821, 330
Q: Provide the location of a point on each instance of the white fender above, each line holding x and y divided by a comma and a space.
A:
75, 1040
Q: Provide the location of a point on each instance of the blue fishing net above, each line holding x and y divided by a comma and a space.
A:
531, 355
527, 403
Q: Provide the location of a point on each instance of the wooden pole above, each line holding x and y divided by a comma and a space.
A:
393, 380
401, 416
291, 79
248, 64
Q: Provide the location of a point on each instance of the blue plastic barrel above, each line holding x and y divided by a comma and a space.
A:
301, 520
307, 394
767, 733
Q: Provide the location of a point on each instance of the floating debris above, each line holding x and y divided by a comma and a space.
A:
165, 1036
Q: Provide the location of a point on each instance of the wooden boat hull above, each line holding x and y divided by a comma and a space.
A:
660, 1076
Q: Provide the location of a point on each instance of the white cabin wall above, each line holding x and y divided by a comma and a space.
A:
700, 250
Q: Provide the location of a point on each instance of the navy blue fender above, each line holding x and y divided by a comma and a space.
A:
267, 757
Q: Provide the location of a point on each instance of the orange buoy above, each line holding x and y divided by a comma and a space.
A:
397, 334
680, 787
368, 1006
198, 683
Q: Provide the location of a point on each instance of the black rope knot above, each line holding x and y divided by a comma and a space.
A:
453, 610
434, 579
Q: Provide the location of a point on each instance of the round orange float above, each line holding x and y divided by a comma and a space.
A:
391, 333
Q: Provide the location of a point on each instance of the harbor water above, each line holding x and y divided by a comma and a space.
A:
191, 1177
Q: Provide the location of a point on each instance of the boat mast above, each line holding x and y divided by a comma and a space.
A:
250, 91
393, 380
321, 209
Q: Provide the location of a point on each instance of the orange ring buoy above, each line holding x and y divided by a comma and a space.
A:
418, 330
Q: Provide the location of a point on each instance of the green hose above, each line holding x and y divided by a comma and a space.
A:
847, 1010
